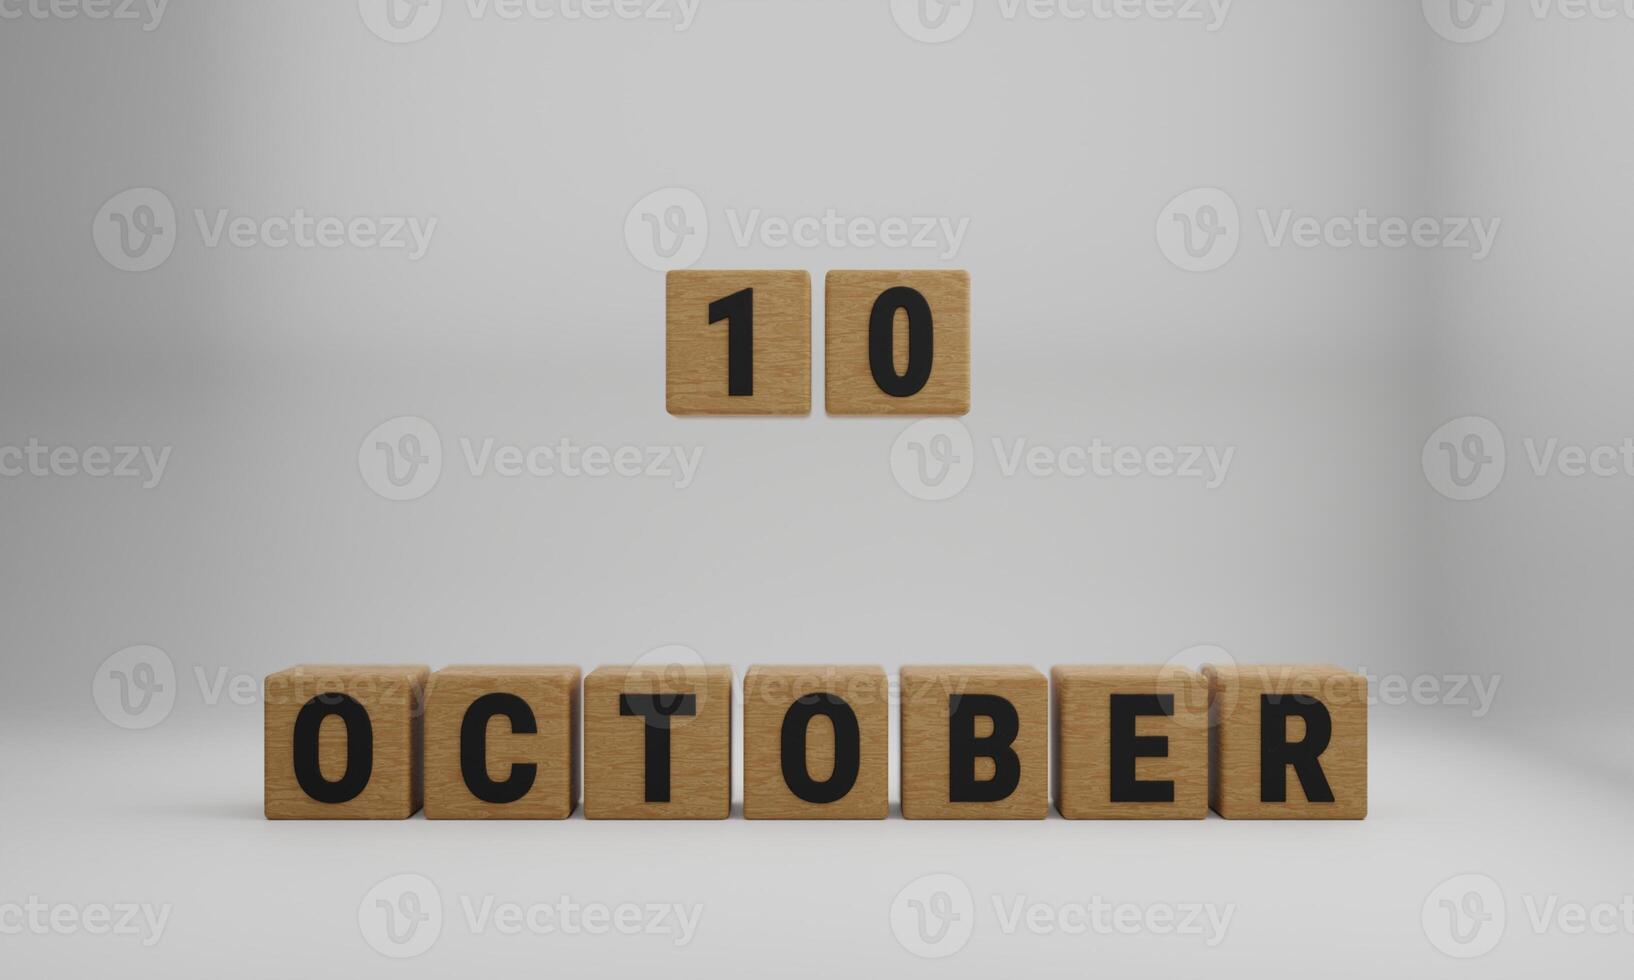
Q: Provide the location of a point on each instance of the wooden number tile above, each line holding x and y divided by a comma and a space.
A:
898, 343
658, 743
1289, 743
739, 342
975, 742
344, 742
1130, 743
815, 743
502, 742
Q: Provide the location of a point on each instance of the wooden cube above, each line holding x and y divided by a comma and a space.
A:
898, 343
502, 743
658, 743
1130, 743
739, 342
1290, 743
343, 742
975, 743
816, 743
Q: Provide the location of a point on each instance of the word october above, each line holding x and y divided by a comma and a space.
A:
1126, 742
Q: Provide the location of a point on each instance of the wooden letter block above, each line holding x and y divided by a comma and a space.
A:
1130, 743
344, 742
502, 743
739, 342
898, 343
1290, 743
658, 743
815, 743
975, 742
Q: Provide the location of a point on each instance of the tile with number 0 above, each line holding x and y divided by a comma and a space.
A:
897, 342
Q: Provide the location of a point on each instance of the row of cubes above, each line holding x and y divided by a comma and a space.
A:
976, 742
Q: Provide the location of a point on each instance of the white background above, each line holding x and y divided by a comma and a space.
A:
531, 318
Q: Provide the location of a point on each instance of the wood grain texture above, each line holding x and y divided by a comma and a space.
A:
926, 694
1235, 714
768, 693
700, 745
696, 364
1082, 748
552, 694
849, 385
393, 696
